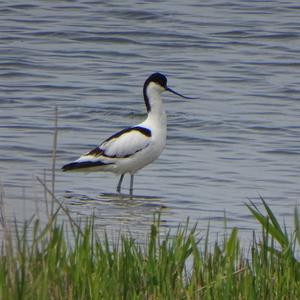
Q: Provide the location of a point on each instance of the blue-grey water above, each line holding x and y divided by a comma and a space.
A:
238, 140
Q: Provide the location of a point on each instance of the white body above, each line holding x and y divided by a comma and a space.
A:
132, 150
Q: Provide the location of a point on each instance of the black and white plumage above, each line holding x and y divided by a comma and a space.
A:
132, 148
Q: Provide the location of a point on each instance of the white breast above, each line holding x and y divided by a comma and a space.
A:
157, 142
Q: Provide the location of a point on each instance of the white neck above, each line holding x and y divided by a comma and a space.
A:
157, 115
155, 101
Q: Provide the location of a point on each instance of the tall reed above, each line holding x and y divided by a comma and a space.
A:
40, 262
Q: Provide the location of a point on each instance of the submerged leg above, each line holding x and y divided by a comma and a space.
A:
131, 185
120, 183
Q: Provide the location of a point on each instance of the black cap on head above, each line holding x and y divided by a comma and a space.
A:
157, 78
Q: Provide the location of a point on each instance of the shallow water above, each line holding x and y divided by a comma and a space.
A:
238, 140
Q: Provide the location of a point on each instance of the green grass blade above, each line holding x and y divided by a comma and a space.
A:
272, 228
297, 225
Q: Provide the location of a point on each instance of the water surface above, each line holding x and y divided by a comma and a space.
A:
238, 140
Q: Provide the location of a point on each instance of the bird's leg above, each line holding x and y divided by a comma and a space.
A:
131, 186
120, 183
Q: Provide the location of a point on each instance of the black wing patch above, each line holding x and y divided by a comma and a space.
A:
96, 152
83, 164
142, 130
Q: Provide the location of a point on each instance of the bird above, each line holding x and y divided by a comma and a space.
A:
134, 147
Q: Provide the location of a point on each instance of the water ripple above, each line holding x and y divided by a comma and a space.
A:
238, 140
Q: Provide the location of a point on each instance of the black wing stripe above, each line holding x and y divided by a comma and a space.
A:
81, 165
124, 156
95, 152
142, 130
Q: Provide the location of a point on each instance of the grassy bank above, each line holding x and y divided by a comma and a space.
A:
39, 262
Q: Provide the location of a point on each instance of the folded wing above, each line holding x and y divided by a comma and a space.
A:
125, 143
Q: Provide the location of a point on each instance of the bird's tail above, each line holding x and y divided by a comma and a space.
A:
83, 165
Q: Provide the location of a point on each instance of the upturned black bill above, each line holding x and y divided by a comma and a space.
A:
170, 90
